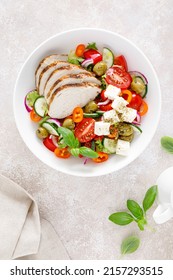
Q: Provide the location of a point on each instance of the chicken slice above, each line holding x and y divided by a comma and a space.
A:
47, 61
67, 97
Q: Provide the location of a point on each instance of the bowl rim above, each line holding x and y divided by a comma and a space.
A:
159, 105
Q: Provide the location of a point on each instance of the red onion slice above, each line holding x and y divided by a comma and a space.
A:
55, 121
87, 62
54, 140
103, 103
137, 119
137, 73
28, 108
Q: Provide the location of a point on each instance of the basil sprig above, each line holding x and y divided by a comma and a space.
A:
92, 46
138, 213
130, 245
167, 143
74, 145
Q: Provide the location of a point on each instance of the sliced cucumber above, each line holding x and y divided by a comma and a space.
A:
108, 57
52, 128
40, 106
110, 145
91, 115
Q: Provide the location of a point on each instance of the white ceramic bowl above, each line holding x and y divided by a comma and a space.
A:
63, 43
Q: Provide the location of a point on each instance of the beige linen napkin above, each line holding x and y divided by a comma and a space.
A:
22, 235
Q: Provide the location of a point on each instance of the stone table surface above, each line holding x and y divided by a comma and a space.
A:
78, 208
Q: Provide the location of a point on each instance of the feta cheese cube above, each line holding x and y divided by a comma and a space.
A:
101, 128
128, 115
122, 147
111, 116
111, 92
119, 104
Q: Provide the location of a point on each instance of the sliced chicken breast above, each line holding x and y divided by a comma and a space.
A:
67, 97
47, 71
47, 61
73, 76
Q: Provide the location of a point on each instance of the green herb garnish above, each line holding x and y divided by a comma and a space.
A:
137, 213
92, 46
73, 143
31, 97
130, 245
167, 143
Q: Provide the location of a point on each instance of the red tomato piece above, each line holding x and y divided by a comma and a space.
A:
120, 60
49, 144
135, 102
102, 95
106, 107
95, 55
118, 77
85, 130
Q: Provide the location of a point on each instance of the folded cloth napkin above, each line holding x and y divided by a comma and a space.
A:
22, 233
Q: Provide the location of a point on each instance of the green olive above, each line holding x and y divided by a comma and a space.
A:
127, 138
91, 107
100, 68
125, 129
42, 133
68, 123
137, 85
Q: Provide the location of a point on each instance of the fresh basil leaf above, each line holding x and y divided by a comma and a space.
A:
121, 218
141, 224
167, 144
87, 152
75, 152
135, 209
130, 245
150, 197
68, 137
92, 46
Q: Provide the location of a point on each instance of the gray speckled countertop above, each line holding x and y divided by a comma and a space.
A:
79, 208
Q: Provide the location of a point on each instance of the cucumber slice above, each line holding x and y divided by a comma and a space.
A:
40, 106
52, 128
91, 115
110, 145
108, 57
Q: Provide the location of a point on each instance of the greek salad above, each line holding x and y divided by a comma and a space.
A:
87, 104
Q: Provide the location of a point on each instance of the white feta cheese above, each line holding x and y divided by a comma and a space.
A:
119, 104
111, 92
128, 115
111, 116
122, 147
101, 128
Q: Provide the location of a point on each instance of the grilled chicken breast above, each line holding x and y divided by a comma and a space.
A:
74, 76
65, 85
47, 61
67, 97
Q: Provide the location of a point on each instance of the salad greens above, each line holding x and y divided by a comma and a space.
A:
92, 46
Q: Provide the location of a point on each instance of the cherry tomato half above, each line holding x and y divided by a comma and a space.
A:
84, 131
118, 77
120, 60
95, 55
80, 50
101, 157
135, 102
62, 153
49, 144
77, 114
